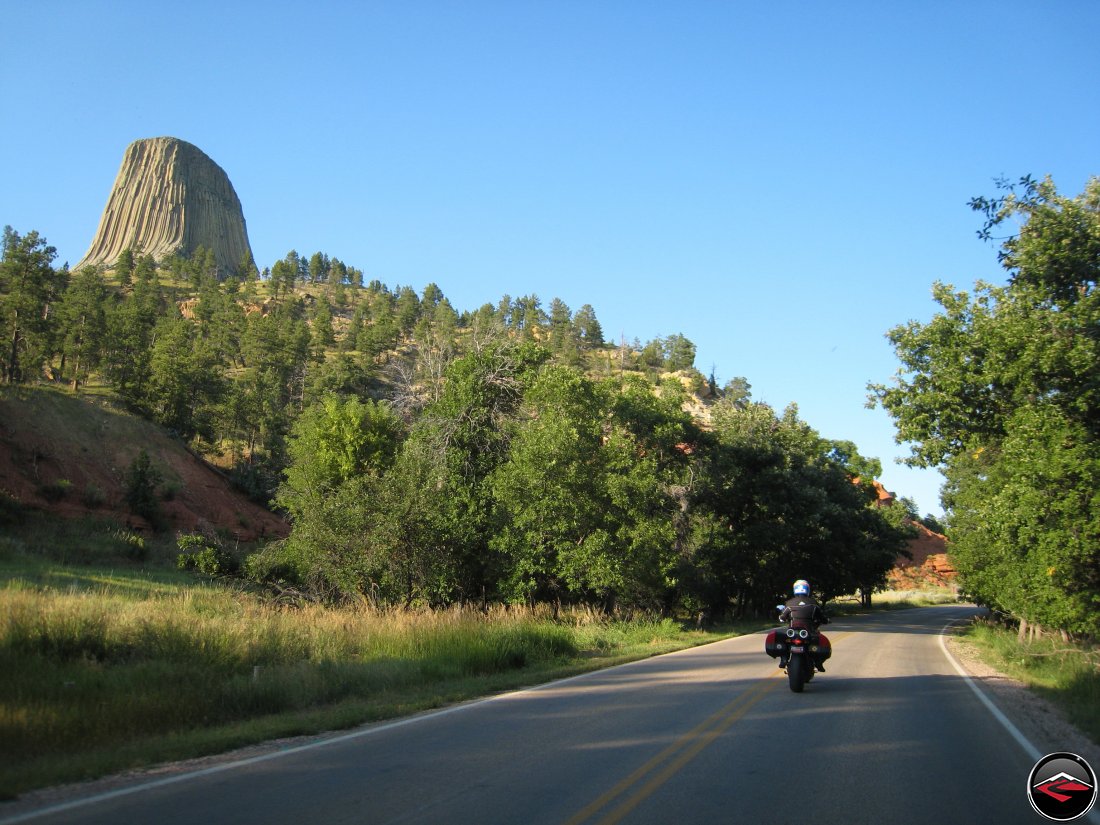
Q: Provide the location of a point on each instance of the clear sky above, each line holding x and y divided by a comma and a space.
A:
780, 182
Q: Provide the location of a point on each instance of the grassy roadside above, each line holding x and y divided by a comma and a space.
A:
894, 600
1065, 674
104, 670
106, 667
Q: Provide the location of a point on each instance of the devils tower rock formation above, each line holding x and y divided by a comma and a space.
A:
170, 198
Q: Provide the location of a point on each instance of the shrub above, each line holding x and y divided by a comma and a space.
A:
205, 555
93, 496
54, 491
170, 490
142, 479
133, 545
11, 511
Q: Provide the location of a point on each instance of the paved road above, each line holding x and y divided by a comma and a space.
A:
712, 735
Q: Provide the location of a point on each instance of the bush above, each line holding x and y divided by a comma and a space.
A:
142, 479
133, 545
206, 556
257, 481
93, 497
11, 511
54, 491
169, 491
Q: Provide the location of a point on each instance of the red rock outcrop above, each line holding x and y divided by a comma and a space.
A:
930, 563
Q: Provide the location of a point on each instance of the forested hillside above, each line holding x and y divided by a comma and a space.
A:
426, 455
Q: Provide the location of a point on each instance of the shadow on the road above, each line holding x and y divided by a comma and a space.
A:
920, 620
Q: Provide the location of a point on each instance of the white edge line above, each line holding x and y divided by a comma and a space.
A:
1023, 741
359, 733
1032, 751
1014, 731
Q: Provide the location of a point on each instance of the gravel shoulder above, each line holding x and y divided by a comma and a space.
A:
1037, 719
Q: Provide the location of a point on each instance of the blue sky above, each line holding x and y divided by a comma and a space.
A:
781, 183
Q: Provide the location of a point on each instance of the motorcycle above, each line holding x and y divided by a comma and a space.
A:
800, 648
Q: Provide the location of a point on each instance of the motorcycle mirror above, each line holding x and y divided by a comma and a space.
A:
780, 607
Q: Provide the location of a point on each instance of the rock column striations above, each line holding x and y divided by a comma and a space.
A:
170, 198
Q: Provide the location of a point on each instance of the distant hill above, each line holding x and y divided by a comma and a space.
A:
69, 455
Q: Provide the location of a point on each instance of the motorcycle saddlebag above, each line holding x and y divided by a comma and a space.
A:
824, 648
772, 642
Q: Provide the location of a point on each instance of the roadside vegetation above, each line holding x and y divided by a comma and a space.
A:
896, 600
1065, 673
113, 668
1001, 391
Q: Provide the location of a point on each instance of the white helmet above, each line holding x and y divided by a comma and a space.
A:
802, 588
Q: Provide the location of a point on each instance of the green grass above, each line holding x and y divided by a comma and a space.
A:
1067, 675
106, 666
107, 669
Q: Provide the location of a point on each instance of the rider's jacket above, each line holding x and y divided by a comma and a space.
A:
805, 608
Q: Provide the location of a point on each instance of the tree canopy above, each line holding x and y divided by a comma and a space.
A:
428, 456
1000, 389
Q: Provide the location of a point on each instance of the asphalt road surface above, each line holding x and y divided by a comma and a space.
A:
891, 733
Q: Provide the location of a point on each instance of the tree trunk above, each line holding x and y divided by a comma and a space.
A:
12, 363
1022, 635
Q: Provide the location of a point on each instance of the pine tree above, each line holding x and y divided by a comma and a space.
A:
29, 286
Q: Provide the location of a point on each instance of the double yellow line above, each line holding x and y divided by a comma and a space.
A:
641, 784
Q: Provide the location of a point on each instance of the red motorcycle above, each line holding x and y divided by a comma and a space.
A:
801, 650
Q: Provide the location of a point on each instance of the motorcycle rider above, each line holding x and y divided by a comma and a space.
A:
805, 607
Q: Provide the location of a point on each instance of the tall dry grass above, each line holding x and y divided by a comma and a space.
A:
96, 670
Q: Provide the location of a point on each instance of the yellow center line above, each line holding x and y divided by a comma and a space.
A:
691, 743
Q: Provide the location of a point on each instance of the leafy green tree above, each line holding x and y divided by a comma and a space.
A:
332, 442
338, 273
738, 391
221, 323
777, 504
340, 375
442, 546
148, 292
29, 285
504, 310
130, 325
564, 340
338, 450
355, 278
551, 495
283, 276
197, 267
527, 315
1000, 389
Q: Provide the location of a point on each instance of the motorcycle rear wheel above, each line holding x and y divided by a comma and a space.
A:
796, 673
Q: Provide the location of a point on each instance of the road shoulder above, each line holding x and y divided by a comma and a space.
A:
1037, 719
